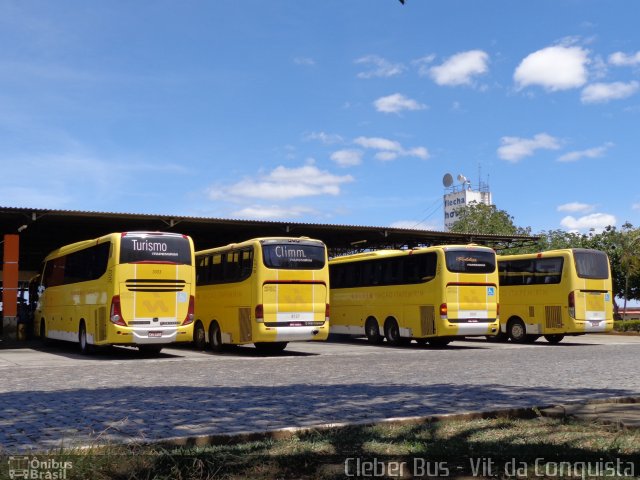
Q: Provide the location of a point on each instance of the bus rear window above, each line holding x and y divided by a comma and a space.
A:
470, 261
155, 248
591, 264
294, 256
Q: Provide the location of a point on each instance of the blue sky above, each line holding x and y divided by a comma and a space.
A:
333, 111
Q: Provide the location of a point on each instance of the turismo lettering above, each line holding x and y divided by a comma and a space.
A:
147, 246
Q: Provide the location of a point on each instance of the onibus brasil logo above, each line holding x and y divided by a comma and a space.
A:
38, 468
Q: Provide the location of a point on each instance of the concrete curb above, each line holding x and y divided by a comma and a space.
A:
289, 432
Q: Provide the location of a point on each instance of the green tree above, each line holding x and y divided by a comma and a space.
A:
481, 218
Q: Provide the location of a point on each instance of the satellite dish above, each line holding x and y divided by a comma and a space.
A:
447, 180
462, 178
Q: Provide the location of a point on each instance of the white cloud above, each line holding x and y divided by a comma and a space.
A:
460, 68
283, 183
326, 138
635, 206
378, 143
379, 67
588, 153
271, 212
595, 221
347, 158
390, 149
553, 68
604, 92
575, 207
396, 103
304, 61
514, 149
621, 59
423, 64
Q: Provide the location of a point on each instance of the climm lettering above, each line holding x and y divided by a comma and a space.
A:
147, 246
282, 251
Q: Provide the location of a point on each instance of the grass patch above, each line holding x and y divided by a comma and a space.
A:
321, 454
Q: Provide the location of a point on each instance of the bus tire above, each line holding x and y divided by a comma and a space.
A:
372, 331
150, 350
439, 341
215, 337
43, 332
517, 331
199, 337
85, 347
392, 332
270, 347
554, 339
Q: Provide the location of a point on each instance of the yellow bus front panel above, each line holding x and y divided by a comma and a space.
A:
293, 312
469, 310
154, 303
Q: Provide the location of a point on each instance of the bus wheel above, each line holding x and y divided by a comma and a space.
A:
372, 332
215, 337
439, 341
270, 347
199, 338
85, 348
554, 338
43, 332
392, 332
150, 350
517, 331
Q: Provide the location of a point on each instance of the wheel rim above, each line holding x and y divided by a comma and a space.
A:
83, 338
372, 330
517, 331
393, 333
199, 336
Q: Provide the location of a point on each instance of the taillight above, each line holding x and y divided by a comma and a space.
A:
116, 312
443, 310
326, 313
260, 313
572, 304
189, 318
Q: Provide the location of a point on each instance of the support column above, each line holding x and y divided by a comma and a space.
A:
10, 287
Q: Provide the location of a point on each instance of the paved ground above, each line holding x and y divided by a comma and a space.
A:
53, 396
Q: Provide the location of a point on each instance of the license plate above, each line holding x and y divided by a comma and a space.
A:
155, 334
295, 324
595, 324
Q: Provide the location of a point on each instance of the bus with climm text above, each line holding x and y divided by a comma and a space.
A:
430, 294
265, 291
555, 293
132, 288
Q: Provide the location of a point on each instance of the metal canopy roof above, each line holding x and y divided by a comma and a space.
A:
42, 230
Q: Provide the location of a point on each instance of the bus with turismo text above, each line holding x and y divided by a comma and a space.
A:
132, 288
555, 293
429, 294
265, 291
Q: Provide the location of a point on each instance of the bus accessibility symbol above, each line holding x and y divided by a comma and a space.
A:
491, 291
18, 467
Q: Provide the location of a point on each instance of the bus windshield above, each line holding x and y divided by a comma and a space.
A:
470, 261
591, 264
293, 256
155, 248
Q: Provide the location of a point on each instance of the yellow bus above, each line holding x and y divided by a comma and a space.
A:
265, 291
132, 288
431, 294
555, 293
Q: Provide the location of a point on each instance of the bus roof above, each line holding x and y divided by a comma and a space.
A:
74, 247
261, 240
396, 252
547, 253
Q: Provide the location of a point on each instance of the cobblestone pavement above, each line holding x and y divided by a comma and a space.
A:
53, 397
